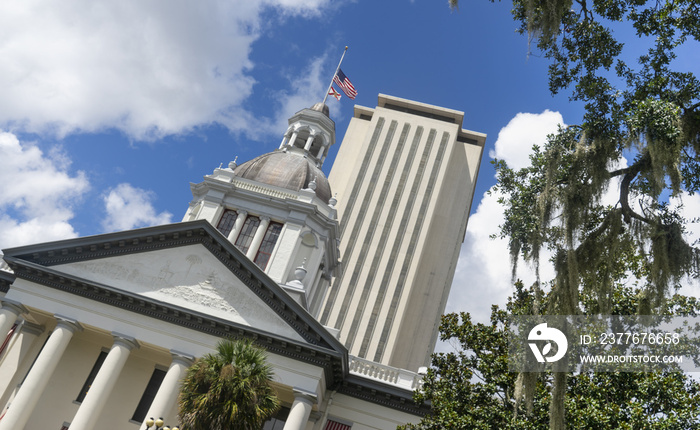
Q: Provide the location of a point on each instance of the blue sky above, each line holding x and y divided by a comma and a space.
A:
109, 110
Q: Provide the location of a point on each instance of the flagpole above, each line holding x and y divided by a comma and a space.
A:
336, 72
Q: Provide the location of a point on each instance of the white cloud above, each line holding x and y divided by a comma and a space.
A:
36, 193
129, 207
483, 274
309, 89
146, 68
515, 140
691, 208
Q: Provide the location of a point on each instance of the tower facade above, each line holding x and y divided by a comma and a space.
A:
405, 180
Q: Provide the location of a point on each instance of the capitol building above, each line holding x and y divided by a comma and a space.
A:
342, 279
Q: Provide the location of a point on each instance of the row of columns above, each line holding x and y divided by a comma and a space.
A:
89, 411
307, 147
32, 388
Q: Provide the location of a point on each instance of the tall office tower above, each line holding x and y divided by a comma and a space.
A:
404, 177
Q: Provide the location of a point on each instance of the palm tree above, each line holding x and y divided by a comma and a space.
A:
228, 390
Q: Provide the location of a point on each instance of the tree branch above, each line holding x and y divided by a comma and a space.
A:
629, 175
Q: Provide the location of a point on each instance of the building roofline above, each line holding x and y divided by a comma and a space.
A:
441, 113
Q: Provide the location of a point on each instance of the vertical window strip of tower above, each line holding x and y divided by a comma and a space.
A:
378, 251
367, 200
245, 238
403, 226
400, 234
348, 213
357, 186
381, 347
268, 244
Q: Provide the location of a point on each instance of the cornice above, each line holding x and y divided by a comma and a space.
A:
6, 279
382, 394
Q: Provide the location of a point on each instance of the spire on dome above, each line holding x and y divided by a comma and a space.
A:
321, 107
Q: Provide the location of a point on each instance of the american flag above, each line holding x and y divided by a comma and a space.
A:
344, 83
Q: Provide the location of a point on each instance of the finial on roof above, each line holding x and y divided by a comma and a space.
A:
232, 165
321, 107
300, 272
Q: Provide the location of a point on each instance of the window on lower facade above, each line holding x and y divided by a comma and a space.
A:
268, 245
35, 357
245, 237
335, 425
277, 422
91, 377
228, 219
148, 395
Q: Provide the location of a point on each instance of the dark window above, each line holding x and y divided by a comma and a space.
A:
228, 219
91, 376
148, 395
245, 237
268, 244
35, 358
419, 113
335, 425
277, 422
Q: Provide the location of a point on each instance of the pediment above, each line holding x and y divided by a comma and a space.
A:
189, 271
188, 277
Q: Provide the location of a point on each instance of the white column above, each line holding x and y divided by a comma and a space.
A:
9, 313
26, 347
321, 150
293, 138
89, 412
257, 239
170, 387
309, 141
284, 140
240, 219
33, 387
301, 410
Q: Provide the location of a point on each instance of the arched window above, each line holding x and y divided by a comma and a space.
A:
228, 219
245, 237
268, 245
